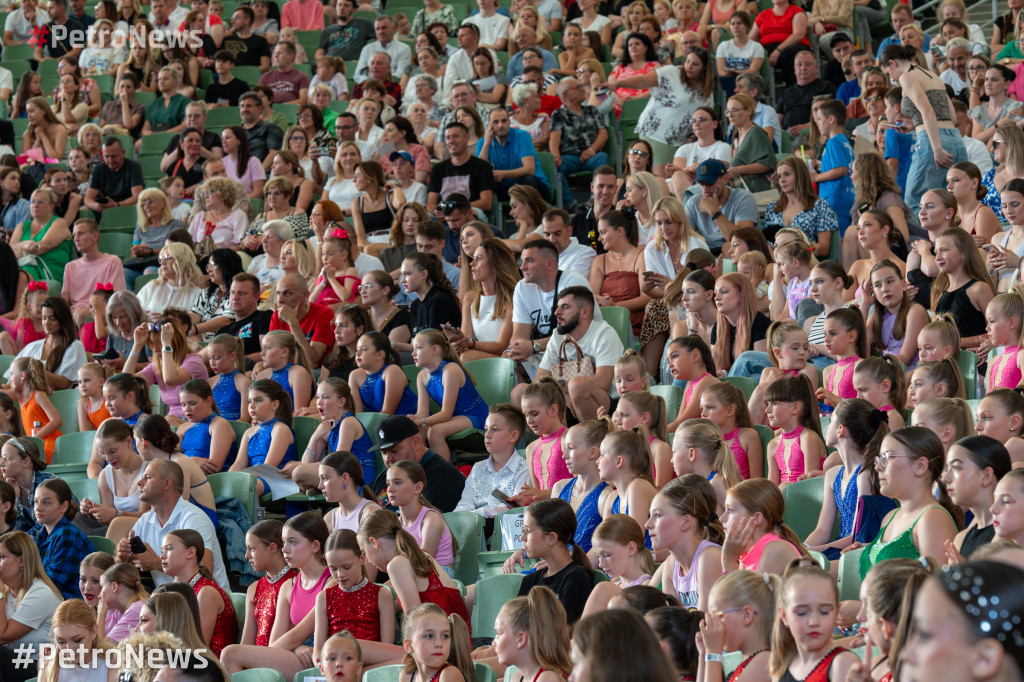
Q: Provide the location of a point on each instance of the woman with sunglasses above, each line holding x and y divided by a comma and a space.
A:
637, 160
211, 311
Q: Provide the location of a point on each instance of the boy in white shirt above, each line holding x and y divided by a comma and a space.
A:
504, 470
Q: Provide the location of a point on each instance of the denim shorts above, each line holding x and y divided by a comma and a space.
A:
924, 175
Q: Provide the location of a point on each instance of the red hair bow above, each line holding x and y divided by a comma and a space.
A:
38, 286
105, 286
340, 233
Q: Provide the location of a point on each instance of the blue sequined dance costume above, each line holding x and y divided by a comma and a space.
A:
281, 377
587, 515
197, 440
846, 500
371, 392
259, 445
134, 419
615, 510
467, 404
360, 448
227, 398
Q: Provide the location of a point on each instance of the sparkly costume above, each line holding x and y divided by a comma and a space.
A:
264, 603
360, 448
371, 392
557, 469
468, 403
792, 467
197, 440
225, 629
1004, 372
587, 515
840, 382
226, 396
742, 459
846, 500
354, 609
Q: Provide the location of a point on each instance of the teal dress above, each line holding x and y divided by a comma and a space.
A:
49, 265
900, 547
162, 118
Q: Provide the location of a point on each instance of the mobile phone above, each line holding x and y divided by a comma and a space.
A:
648, 274
138, 546
505, 498
988, 247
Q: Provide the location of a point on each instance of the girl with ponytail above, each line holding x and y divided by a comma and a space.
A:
684, 524
856, 431
625, 463
530, 633
699, 448
284, 361
226, 355
642, 408
436, 303
1005, 315
936, 379
883, 383
909, 466
451, 630
949, 418
755, 536
405, 483
122, 596
725, 406
126, 397
444, 378
619, 547
342, 483
1001, 416
181, 555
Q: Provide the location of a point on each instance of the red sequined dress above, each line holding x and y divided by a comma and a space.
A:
225, 629
264, 603
354, 609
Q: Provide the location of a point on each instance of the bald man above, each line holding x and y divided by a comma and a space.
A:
311, 324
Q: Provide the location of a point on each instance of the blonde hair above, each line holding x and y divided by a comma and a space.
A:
706, 438
631, 357
728, 394
305, 259
783, 643
35, 373
460, 654
622, 529
435, 337
748, 588
777, 332
184, 265
691, 495
542, 617
140, 216
949, 334
233, 344
21, 545
972, 263
648, 182
296, 353
654, 405
632, 446
673, 208
953, 412
548, 390
947, 372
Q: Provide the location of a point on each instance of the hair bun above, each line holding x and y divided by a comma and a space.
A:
877, 417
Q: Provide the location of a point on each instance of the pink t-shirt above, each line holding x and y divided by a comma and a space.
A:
82, 276
303, 16
286, 86
193, 364
1016, 88
226, 234
253, 171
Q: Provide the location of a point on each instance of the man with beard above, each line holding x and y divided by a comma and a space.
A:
597, 339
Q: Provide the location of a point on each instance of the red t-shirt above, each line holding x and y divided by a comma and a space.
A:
318, 325
775, 29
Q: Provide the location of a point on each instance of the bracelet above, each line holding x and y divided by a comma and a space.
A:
712, 658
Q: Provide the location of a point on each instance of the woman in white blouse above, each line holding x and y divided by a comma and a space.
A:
177, 282
487, 307
60, 351
28, 597
341, 188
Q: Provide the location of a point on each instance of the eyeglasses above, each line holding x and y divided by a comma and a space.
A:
700, 119
153, 327
367, 287
876, 98
298, 137
976, 68
884, 458
730, 112
166, 258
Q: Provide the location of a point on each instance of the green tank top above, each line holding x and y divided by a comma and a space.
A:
49, 265
900, 547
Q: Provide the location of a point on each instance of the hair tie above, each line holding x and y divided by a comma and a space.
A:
628, 211
105, 286
340, 233
924, 561
636, 429
711, 519
38, 286
767, 577
877, 417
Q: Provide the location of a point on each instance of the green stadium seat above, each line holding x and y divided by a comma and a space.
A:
142, 281
116, 243
119, 217
849, 574
66, 402
238, 604
803, 505
490, 595
495, 378
155, 143
370, 422
673, 397
618, 318
258, 675
19, 53
5, 363
222, 117
968, 362
304, 675
102, 544
468, 530
745, 384
71, 453
85, 487
238, 484
304, 428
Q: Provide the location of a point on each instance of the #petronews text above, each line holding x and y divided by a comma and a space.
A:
138, 657
156, 38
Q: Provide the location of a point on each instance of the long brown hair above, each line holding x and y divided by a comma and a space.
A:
542, 617
761, 495
383, 524
432, 265
922, 443
722, 351
803, 186
899, 327
692, 495
972, 264
502, 262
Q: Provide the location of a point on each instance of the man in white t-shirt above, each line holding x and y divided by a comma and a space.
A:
597, 339
572, 256
493, 26
533, 303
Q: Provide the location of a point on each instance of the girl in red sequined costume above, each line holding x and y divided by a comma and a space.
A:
263, 550
416, 577
290, 649
364, 609
181, 557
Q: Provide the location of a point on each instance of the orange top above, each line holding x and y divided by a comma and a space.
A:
99, 416
32, 412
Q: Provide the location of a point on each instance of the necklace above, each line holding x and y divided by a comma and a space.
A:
280, 574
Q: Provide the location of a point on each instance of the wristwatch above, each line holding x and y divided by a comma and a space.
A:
168, 349
716, 215
536, 347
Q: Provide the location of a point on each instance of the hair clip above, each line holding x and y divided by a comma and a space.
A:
38, 286
105, 286
628, 211
340, 233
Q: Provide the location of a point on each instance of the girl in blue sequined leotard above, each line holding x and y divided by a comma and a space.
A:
205, 435
229, 381
445, 380
285, 362
380, 382
271, 439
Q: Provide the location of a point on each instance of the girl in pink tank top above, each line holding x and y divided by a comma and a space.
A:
641, 408
788, 349
744, 501
1007, 370
726, 407
405, 481
544, 408
800, 448
689, 360
846, 340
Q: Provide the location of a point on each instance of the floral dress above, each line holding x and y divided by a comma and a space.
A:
668, 115
821, 218
992, 199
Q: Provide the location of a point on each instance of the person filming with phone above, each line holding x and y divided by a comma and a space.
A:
512, 154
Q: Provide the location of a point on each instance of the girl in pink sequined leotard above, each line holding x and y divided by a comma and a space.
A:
689, 359
1005, 322
800, 448
847, 341
726, 406
544, 408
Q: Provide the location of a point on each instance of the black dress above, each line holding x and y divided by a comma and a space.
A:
969, 320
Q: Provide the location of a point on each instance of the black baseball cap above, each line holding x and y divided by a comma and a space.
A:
393, 430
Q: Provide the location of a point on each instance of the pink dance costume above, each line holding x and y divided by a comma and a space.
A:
445, 552
1004, 371
556, 468
792, 468
752, 558
840, 382
690, 385
742, 458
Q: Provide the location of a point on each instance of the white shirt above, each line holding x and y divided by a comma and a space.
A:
660, 261
485, 326
184, 515
577, 258
476, 496
366, 263
35, 610
978, 154
400, 53
6, 80
601, 342
459, 68
416, 193
532, 306
692, 153
953, 80
21, 27
174, 18
155, 298
492, 29
74, 359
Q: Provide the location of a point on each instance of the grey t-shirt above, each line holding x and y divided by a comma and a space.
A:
740, 206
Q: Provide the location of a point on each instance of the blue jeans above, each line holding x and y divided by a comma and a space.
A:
571, 164
924, 174
752, 362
